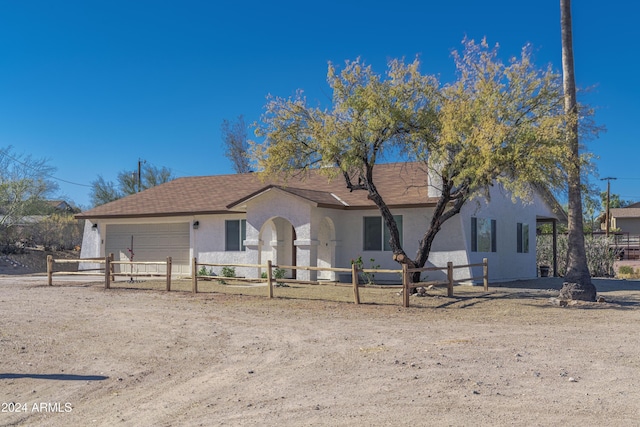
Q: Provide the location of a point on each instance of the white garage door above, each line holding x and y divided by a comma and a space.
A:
150, 242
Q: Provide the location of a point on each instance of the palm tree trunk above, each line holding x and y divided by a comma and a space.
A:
578, 283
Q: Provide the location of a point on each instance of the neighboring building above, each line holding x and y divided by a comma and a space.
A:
61, 206
313, 222
626, 219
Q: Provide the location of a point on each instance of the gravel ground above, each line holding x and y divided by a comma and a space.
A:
76, 354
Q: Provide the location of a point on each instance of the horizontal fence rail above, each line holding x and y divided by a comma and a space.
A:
108, 269
405, 272
407, 285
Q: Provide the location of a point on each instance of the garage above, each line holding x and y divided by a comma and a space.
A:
150, 242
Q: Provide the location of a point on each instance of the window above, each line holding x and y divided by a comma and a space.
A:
522, 232
235, 232
377, 235
483, 235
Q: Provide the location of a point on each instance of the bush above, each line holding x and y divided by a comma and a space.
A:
278, 273
55, 232
369, 277
626, 270
204, 272
228, 271
600, 256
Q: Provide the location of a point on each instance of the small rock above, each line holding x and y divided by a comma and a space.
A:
572, 380
559, 302
601, 299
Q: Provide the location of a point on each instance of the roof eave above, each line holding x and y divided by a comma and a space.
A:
150, 215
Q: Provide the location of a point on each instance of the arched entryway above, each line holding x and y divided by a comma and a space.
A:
277, 237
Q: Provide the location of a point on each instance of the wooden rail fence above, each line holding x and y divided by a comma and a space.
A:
407, 285
405, 272
108, 269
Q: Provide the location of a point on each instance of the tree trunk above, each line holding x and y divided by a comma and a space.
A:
440, 216
578, 283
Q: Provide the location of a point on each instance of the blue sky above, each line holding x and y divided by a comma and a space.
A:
93, 86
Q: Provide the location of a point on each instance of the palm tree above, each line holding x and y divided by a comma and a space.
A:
578, 283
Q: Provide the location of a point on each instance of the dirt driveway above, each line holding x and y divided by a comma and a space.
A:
77, 355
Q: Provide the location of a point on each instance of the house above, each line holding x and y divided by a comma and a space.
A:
626, 219
239, 219
61, 206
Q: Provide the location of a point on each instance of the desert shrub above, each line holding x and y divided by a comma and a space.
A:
9, 236
369, 277
228, 272
278, 273
204, 272
626, 270
600, 255
56, 232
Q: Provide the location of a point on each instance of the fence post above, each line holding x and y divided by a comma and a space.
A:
194, 276
450, 279
50, 269
107, 271
354, 282
111, 267
405, 285
168, 273
485, 273
270, 279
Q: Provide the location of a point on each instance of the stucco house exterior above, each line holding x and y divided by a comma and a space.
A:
313, 221
626, 219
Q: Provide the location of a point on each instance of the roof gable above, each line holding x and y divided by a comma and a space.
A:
318, 198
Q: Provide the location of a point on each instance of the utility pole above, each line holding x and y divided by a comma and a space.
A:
140, 161
607, 215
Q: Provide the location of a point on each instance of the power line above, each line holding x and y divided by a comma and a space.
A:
44, 174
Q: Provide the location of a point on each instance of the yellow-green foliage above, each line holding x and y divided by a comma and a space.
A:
627, 272
497, 121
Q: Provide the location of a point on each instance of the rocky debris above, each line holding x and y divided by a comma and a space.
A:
559, 302
10, 262
578, 291
35, 261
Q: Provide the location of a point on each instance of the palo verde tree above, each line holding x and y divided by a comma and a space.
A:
497, 123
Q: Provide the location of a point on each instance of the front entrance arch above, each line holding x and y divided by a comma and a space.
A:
277, 236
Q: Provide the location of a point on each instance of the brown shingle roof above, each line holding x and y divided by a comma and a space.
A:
400, 184
625, 212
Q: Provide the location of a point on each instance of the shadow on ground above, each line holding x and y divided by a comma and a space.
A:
60, 377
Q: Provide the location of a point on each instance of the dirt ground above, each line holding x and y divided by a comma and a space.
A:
75, 354
34, 261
